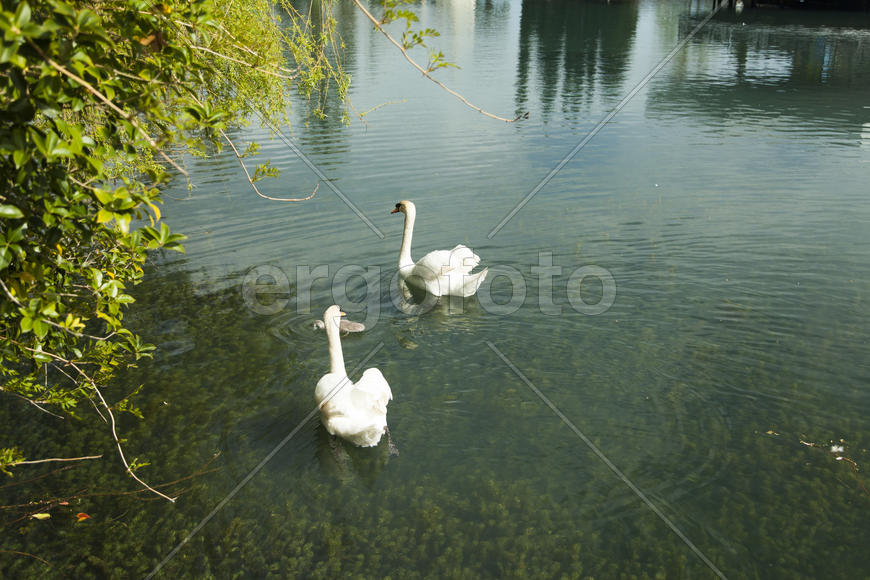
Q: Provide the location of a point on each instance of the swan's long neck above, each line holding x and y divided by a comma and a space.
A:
407, 234
336, 357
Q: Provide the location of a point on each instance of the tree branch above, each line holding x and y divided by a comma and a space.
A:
55, 324
248, 64
46, 562
9, 294
251, 181
31, 462
240, 46
108, 409
32, 402
425, 73
127, 116
115, 434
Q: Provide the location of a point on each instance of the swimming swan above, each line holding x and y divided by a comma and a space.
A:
356, 412
442, 272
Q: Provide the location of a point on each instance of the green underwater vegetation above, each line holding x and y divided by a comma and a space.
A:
489, 483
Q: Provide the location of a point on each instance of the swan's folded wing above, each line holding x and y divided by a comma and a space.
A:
328, 385
433, 265
372, 390
448, 272
463, 259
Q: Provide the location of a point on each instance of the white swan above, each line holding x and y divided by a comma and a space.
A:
356, 412
442, 272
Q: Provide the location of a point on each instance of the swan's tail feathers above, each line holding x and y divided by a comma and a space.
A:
361, 435
463, 259
473, 282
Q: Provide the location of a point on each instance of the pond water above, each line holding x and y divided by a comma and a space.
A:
666, 373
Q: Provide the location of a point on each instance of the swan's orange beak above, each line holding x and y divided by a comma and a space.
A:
342, 314
395, 210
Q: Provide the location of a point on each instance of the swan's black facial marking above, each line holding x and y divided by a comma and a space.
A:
399, 207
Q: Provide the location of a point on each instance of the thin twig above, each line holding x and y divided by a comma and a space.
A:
424, 72
46, 562
41, 476
32, 402
115, 433
248, 64
73, 332
81, 493
79, 334
251, 181
90, 400
79, 183
127, 116
99, 393
33, 461
362, 116
9, 294
242, 47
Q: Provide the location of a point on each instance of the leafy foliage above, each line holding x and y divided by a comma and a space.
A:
410, 37
100, 100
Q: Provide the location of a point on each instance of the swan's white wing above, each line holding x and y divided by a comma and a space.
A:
461, 282
463, 260
360, 416
329, 383
373, 391
355, 412
433, 264
428, 271
467, 284
448, 272
445, 262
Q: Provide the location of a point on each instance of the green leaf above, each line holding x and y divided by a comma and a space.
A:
10, 212
40, 328
9, 53
104, 216
41, 357
17, 234
123, 221
20, 157
125, 299
22, 15
97, 277
26, 324
104, 196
